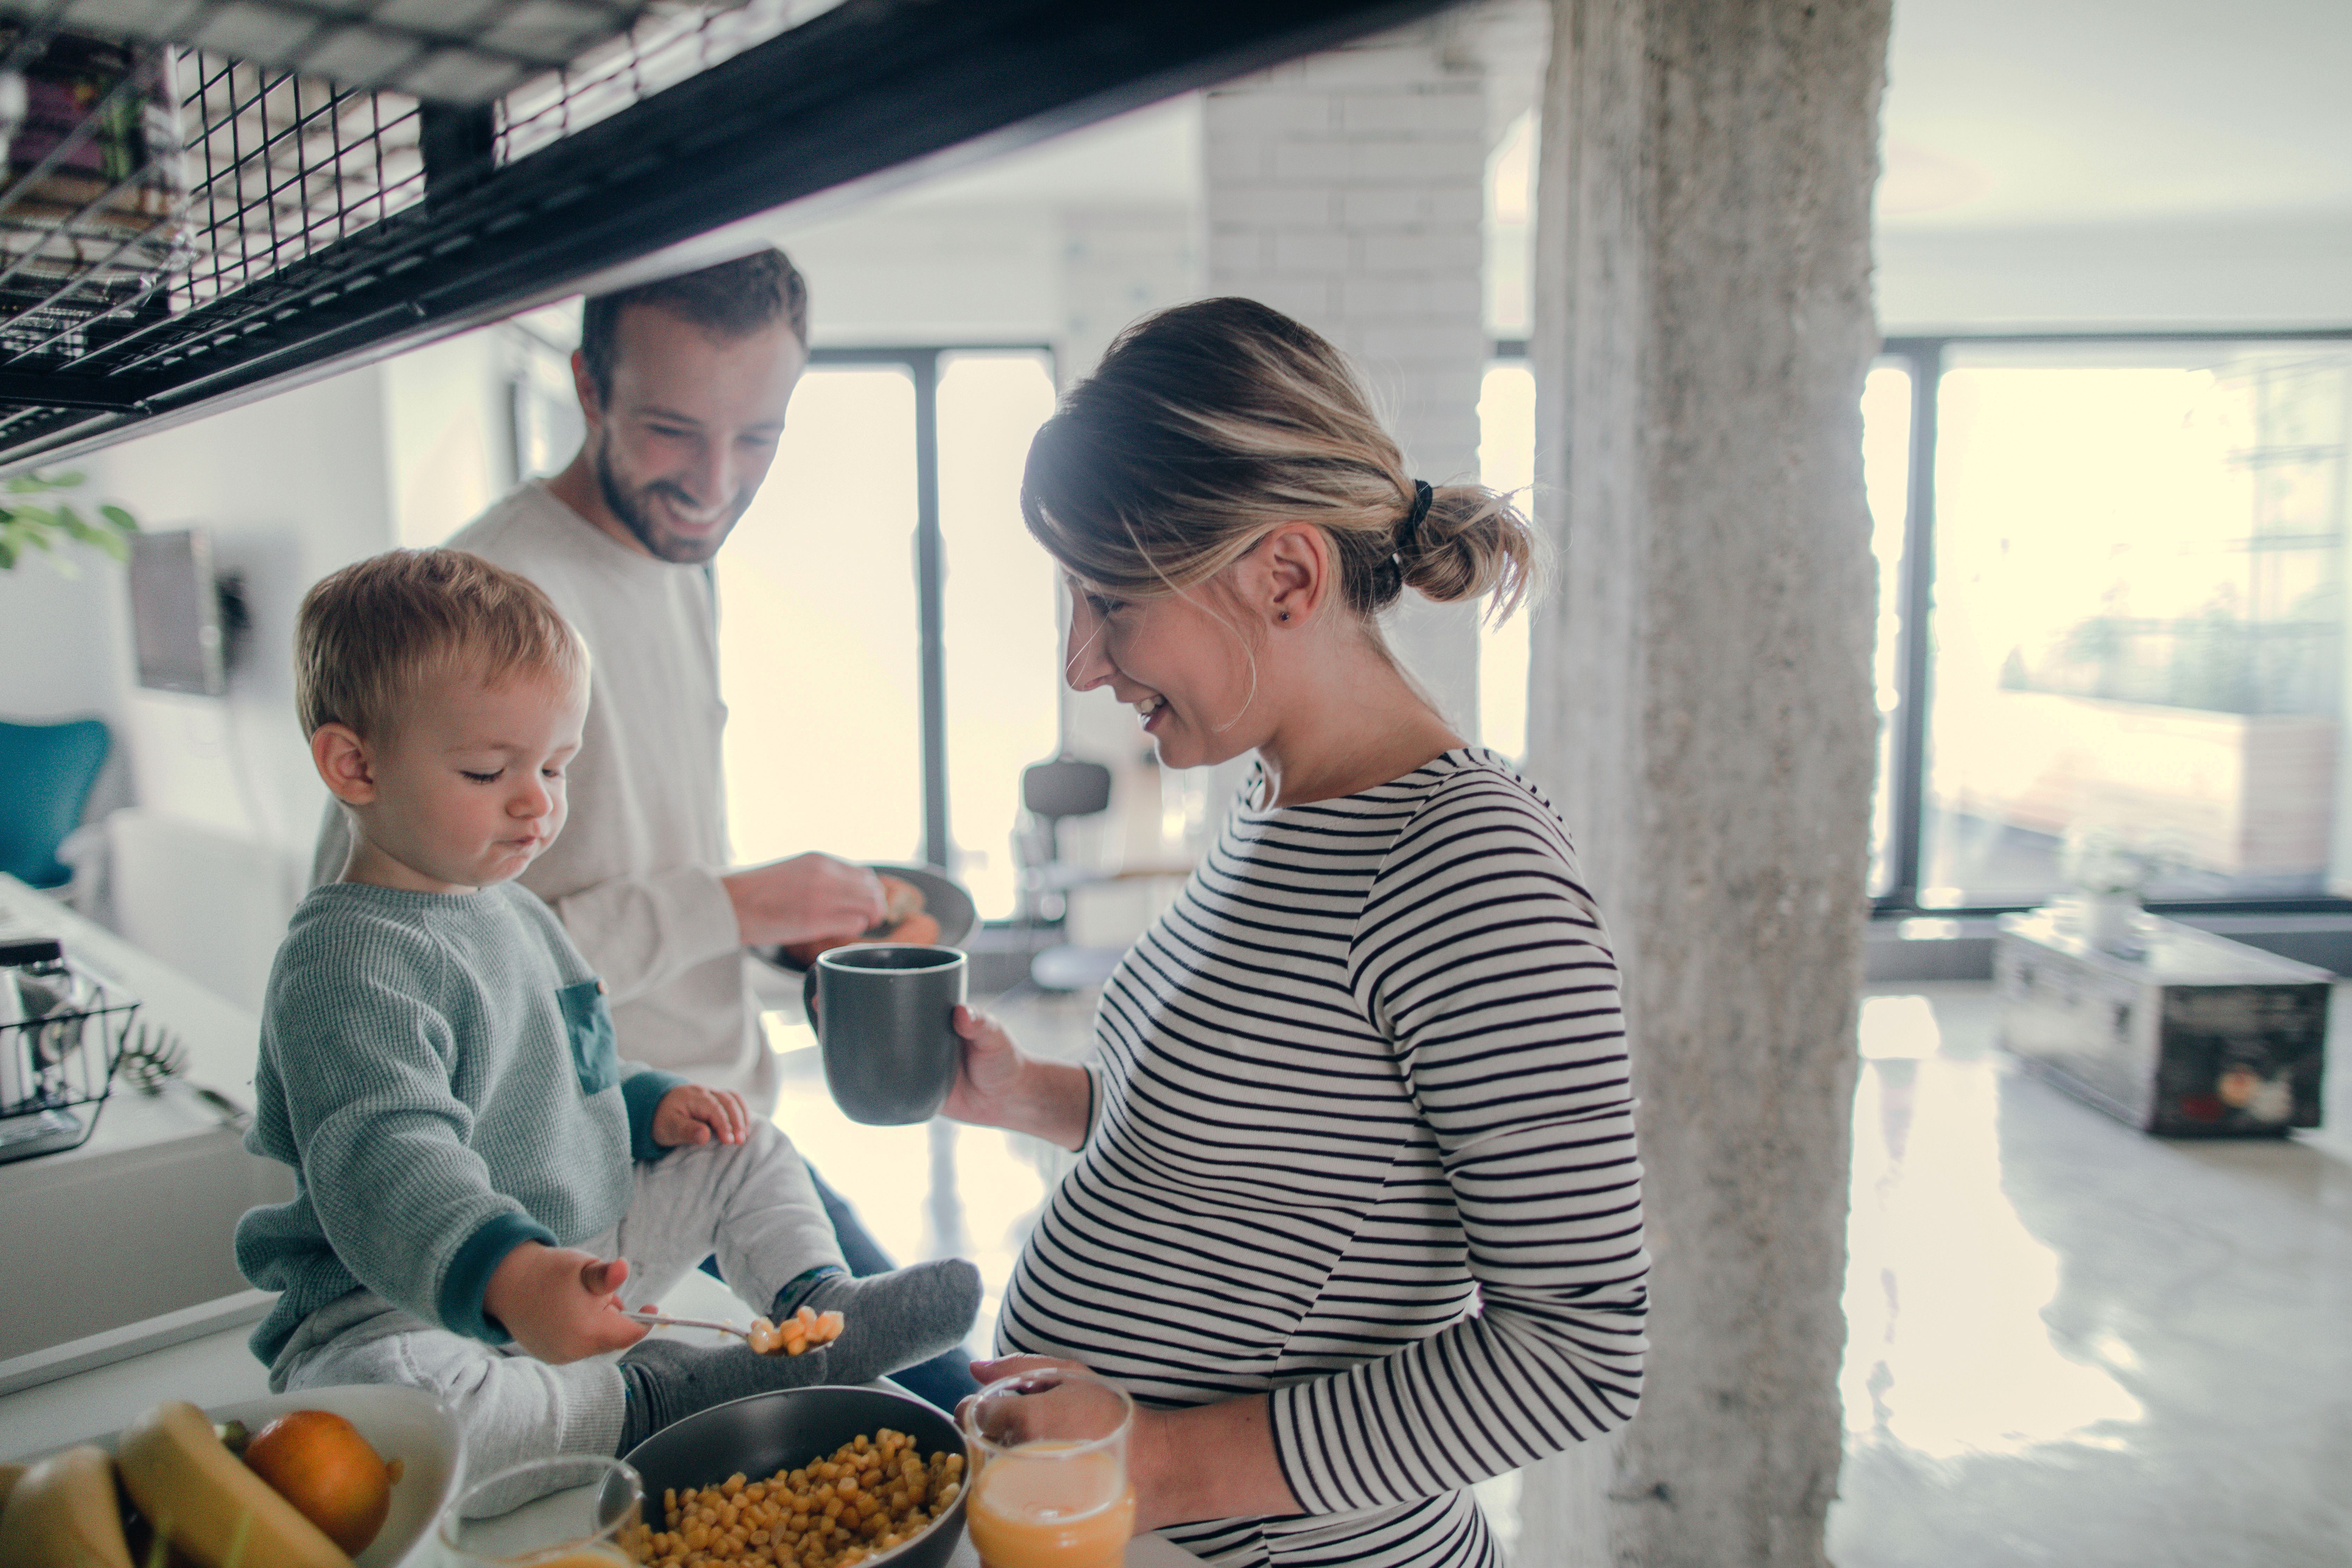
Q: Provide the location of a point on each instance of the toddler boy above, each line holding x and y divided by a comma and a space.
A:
480, 1181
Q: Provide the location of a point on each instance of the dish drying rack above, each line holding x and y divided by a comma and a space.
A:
62, 1031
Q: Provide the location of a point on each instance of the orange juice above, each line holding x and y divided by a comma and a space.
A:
1031, 1509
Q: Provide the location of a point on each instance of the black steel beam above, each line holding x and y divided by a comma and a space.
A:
870, 87
21, 390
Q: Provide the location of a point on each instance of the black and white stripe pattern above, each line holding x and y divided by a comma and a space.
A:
1365, 1140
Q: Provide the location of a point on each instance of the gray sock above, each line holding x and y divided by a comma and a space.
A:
666, 1381
891, 1321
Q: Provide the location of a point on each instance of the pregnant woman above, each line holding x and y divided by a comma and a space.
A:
1357, 1213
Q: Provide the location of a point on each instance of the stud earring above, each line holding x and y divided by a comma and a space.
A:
1286, 615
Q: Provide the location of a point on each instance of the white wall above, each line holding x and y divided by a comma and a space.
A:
63, 651
1349, 189
447, 435
2215, 273
289, 488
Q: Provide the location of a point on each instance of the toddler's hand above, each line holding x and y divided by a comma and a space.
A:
559, 1303
690, 1113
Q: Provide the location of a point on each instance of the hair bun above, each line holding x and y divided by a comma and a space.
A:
1473, 542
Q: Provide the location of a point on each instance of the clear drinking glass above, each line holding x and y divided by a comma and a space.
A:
1052, 1488
577, 1510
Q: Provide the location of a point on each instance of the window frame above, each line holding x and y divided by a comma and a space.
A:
1924, 357
922, 362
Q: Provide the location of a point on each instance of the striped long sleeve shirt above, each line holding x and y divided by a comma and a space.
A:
1363, 1141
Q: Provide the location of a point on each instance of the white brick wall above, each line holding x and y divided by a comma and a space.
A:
1347, 189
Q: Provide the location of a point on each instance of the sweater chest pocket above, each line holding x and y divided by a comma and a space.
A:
588, 1027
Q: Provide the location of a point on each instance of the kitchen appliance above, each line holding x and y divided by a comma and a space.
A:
176, 620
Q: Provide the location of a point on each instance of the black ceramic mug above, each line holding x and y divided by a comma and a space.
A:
883, 1015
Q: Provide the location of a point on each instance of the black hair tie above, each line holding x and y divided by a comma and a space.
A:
1422, 496
1390, 578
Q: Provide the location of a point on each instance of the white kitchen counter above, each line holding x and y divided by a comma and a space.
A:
138, 1221
218, 1369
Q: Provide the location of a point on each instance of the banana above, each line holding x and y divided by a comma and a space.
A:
201, 1496
62, 1514
9, 1476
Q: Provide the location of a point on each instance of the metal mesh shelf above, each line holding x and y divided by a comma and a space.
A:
237, 226
457, 51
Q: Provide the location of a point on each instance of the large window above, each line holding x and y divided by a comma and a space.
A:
887, 625
2110, 612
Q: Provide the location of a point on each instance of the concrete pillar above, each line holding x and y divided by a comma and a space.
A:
1346, 189
1702, 707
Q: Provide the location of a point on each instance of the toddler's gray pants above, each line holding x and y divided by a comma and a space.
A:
751, 1202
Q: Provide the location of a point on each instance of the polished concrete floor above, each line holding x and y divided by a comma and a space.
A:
2068, 1342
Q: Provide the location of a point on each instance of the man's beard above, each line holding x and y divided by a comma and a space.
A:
631, 506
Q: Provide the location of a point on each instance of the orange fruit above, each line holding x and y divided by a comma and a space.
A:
318, 1462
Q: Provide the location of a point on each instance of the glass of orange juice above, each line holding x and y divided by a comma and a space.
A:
1051, 1490
576, 1510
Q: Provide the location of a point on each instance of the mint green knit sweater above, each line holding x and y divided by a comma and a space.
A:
439, 1070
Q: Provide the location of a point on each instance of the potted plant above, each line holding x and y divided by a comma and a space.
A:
27, 525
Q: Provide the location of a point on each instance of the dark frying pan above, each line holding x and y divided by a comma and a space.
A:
786, 1429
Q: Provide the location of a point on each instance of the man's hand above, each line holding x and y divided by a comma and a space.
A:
559, 1303
809, 898
691, 1113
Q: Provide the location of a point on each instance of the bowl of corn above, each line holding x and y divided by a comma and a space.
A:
827, 1478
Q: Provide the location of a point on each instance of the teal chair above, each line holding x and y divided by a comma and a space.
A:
46, 772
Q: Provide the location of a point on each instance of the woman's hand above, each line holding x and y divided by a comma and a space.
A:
1206, 1461
997, 1086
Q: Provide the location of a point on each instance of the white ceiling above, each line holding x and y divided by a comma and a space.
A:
2000, 114
2077, 113
1150, 157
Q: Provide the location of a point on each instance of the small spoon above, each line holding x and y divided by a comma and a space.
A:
658, 1321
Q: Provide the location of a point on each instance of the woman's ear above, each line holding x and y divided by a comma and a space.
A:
344, 764
1299, 569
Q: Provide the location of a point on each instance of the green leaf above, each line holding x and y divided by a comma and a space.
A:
119, 518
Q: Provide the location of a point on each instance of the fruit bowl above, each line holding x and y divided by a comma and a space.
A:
399, 1423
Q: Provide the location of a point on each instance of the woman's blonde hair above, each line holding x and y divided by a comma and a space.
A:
1209, 426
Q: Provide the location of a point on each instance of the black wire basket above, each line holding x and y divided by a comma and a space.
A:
62, 1030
